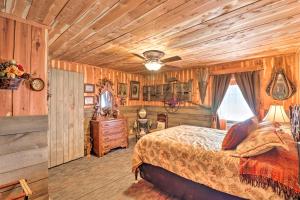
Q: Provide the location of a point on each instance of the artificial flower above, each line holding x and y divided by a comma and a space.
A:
10, 75
20, 67
13, 70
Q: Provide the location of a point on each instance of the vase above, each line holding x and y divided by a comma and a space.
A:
10, 83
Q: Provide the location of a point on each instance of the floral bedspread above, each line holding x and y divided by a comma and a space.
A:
195, 153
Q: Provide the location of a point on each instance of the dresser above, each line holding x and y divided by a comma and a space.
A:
109, 134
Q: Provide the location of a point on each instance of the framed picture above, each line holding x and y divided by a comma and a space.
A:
122, 89
89, 88
134, 90
89, 100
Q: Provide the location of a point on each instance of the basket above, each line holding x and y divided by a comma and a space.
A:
10, 83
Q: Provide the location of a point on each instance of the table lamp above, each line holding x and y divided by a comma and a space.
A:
276, 113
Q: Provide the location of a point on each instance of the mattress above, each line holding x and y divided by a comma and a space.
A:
195, 153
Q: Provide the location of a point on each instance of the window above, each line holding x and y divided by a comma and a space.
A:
234, 107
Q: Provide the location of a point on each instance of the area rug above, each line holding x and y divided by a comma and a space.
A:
144, 190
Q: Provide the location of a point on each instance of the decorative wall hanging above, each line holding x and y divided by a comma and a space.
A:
89, 100
122, 90
295, 121
134, 90
160, 92
37, 84
203, 78
122, 93
89, 88
11, 75
280, 87
172, 100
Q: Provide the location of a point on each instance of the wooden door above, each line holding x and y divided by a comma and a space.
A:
66, 117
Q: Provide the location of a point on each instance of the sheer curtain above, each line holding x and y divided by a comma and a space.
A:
234, 107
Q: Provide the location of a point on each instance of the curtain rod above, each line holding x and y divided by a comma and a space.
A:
234, 70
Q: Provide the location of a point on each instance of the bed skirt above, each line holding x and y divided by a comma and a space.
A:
180, 187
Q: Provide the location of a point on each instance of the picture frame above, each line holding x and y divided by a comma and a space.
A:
134, 90
122, 90
89, 100
89, 88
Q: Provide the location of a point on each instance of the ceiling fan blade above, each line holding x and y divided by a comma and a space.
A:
170, 67
171, 59
137, 55
133, 63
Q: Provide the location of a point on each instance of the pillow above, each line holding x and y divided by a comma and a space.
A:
260, 141
238, 132
268, 124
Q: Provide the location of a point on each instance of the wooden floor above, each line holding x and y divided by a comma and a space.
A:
106, 178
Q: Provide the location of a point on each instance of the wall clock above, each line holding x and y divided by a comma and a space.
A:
37, 84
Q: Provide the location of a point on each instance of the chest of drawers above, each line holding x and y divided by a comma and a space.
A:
109, 134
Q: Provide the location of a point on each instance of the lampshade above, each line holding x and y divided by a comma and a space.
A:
276, 113
153, 65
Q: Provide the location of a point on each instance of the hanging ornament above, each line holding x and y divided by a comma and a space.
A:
280, 87
203, 77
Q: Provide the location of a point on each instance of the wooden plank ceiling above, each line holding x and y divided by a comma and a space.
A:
203, 32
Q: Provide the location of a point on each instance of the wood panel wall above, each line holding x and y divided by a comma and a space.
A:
23, 154
188, 115
92, 74
66, 118
289, 61
27, 45
23, 112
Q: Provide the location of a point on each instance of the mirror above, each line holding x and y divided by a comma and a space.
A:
280, 87
106, 102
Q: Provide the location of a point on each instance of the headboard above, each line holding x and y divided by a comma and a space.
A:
295, 121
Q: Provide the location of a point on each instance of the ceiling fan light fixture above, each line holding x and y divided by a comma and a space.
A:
153, 65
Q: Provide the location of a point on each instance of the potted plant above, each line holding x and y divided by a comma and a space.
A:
11, 75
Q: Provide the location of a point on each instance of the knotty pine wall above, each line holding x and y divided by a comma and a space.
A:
291, 62
92, 74
23, 112
27, 45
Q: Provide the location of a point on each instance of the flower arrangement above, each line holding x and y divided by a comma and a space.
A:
10, 69
11, 74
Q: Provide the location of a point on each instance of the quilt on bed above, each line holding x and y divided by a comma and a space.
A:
195, 154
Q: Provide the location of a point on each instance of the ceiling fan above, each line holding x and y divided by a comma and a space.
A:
153, 62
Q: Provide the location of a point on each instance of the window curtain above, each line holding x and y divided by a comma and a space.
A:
249, 83
219, 88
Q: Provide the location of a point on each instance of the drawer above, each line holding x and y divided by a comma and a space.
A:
114, 136
112, 123
113, 131
115, 143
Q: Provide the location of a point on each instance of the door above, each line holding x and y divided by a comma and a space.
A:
66, 117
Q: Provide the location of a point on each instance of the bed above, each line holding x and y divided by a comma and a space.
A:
190, 155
